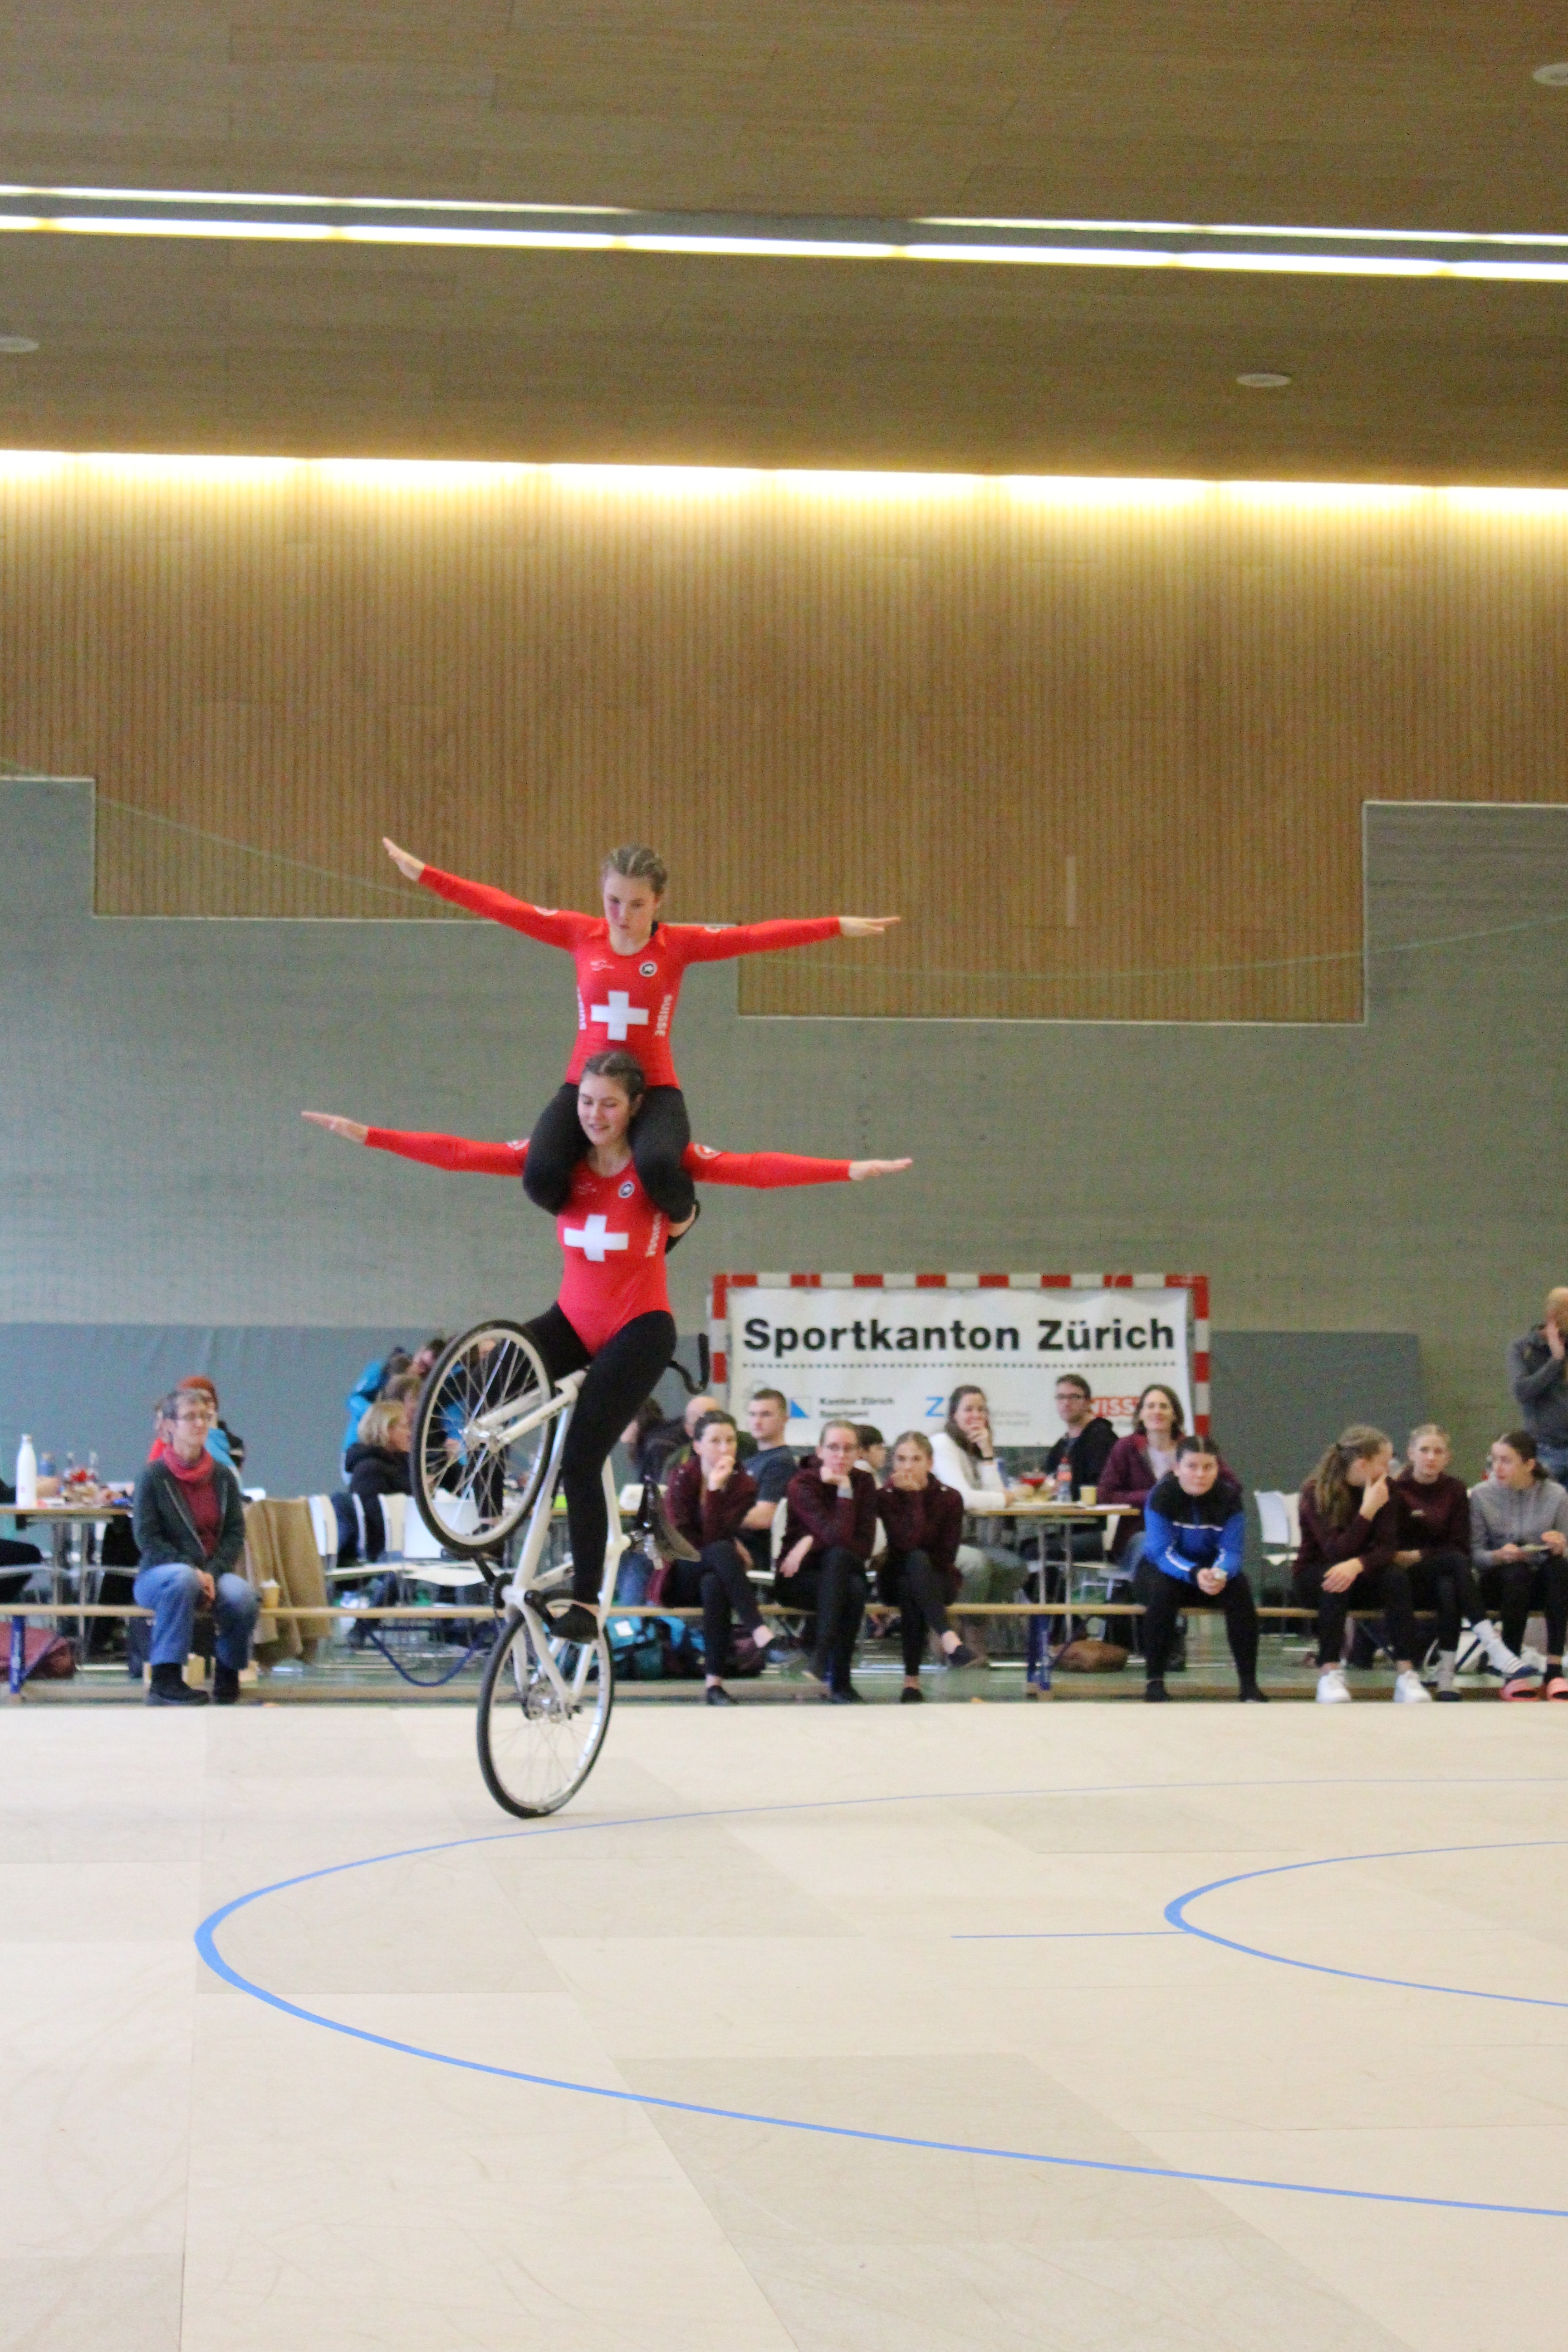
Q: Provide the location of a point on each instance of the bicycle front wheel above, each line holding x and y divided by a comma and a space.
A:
473, 1479
536, 1748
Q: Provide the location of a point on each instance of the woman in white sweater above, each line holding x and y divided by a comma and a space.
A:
965, 1457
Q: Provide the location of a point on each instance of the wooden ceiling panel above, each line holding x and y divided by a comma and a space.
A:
1312, 111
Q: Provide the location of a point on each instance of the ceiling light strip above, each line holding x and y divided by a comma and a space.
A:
1066, 244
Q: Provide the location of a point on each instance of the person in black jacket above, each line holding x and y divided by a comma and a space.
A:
377, 1466
829, 1530
918, 1572
188, 1516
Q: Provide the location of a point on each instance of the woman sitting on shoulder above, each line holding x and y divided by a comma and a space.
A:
1194, 1531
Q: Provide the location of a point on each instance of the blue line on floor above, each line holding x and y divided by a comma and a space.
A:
1176, 1912
206, 1945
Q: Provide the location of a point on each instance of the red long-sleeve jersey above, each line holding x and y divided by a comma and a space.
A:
612, 1237
628, 1000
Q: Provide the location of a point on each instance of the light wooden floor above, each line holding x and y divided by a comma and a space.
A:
942, 1925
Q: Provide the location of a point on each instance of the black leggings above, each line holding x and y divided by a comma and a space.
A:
832, 1588
1165, 1597
720, 1583
1445, 1583
1520, 1585
659, 1135
626, 1369
913, 1587
1387, 1589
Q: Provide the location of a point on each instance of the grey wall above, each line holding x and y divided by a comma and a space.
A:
1403, 1176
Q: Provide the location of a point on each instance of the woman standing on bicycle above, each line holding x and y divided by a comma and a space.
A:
630, 966
611, 1317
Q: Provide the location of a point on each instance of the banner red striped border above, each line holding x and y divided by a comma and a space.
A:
720, 1286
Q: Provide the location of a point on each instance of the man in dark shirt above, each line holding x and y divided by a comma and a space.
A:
1088, 1435
772, 1465
1535, 1371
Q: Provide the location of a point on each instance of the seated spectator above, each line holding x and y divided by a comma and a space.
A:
873, 1449
1435, 1546
189, 1522
1519, 1536
377, 1466
1088, 1439
1194, 1528
669, 1441
1535, 1371
965, 1457
919, 1575
373, 1382
1136, 1463
828, 1535
1349, 1536
707, 1498
770, 1469
222, 1443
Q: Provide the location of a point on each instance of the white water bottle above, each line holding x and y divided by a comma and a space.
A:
27, 1475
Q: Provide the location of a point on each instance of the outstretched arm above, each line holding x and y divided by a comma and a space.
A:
771, 1171
717, 942
557, 927
457, 1154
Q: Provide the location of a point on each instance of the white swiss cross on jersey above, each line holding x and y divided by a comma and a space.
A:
594, 1239
620, 1016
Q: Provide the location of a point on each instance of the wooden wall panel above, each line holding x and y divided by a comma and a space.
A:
1105, 746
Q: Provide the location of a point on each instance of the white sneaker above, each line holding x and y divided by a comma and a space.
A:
1409, 1690
1332, 1688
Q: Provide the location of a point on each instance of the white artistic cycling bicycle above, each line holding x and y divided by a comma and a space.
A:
486, 1456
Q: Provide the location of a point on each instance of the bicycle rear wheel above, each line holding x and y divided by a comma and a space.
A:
535, 1751
473, 1482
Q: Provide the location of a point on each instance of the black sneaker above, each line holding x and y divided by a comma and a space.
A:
961, 1656
570, 1620
1155, 1691
226, 1686
911, 1697
845, 1698
1250, 1695
169, 1688
718, 1697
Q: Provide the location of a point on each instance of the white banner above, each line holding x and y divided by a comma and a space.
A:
893, 1357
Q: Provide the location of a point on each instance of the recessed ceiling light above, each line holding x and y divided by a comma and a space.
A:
1263, 380
17, 344
1554, 76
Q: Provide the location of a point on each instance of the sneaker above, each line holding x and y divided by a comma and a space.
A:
909, 1696
569, 1620
718, 1697
1155, 1690
1409, 1690
1250, 1695
1556, 1688
1332, 1688
1520, 1685
178, 1693
226, 1686
1447, 1698
845, 1698
961, 1656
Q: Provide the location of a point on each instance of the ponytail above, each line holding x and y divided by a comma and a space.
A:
1332, 1489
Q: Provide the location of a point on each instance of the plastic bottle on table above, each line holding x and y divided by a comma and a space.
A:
1064, 1480
26, 1473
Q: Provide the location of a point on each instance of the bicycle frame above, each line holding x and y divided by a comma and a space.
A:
559, 1409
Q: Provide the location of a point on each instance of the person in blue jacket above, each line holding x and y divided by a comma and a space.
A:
1193, 1528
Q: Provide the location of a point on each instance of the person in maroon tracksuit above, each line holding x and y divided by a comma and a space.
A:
919, 1574
1435, 1546
829, 1529
1350, 1539
706, 1500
